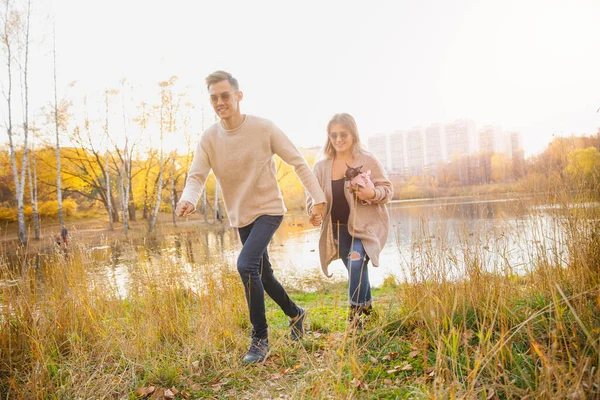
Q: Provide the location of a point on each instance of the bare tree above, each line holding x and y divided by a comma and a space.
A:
142, 120
86, 163
173, 190
33, 195
10, 37
217, 208
61, 218
107, 93
168, 111
126, 163
25, 95
158, 186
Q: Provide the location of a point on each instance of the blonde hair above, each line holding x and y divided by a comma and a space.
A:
348, 122
219, 76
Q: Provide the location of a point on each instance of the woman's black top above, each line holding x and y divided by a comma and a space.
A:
340, 210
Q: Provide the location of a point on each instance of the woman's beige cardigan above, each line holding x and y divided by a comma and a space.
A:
368, 222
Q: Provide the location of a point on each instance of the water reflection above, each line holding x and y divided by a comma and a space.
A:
429, 240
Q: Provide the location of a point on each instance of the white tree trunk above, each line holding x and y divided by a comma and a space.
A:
125, 185
158, 194
173, 192
108, 194
61, 218
218, 215
107, 170
32, 185
33, 194
160, 177
204, 204
126, 174
19, 181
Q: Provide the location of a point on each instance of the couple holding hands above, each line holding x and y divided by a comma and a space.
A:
354, 222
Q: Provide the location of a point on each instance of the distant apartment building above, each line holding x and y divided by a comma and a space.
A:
515, 144
492, 139
379, 146
415, 151
461, 138
397, 152
434, 144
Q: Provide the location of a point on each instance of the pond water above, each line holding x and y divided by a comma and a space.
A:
429, 239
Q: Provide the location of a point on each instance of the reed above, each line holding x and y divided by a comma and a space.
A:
470, 321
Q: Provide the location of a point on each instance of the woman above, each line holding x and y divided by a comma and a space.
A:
356, 224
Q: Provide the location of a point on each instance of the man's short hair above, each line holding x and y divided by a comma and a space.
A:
219, 76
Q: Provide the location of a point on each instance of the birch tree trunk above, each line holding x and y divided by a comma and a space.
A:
106, 166
10, 31
33, 194
126, 174
108, 196
173, 191
218, 215
204, 204
61, 218
125, 185
160, 176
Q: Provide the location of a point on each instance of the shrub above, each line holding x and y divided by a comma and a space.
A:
50, 208
8, 214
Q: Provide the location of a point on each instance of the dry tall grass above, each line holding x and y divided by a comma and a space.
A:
468, 325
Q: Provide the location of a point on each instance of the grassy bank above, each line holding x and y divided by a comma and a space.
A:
493, 334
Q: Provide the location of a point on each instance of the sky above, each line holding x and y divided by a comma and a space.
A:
530, 66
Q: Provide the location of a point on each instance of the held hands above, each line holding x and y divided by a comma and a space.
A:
184, 208
316, 217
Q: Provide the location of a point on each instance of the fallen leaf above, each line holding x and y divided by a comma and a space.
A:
168, 394
196, 387
413, 354
185, 394
388, 381
390, 356
373, 360
392, 371
357, 383
158, 394
196, 365
144, 391
407, 367
491, 394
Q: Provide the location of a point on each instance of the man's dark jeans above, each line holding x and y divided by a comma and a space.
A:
257, 275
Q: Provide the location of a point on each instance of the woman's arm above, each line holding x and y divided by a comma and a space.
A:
384, 191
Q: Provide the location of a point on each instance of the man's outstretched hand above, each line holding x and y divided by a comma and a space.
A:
184, 208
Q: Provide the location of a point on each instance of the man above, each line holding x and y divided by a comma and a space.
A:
239, 149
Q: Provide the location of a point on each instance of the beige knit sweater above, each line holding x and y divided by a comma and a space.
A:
242, 160
368, 222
